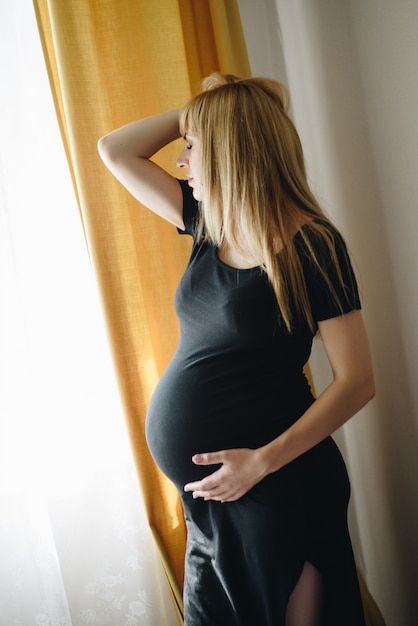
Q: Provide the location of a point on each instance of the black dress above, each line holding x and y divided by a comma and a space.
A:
236, 380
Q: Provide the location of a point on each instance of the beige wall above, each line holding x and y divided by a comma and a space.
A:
352, 70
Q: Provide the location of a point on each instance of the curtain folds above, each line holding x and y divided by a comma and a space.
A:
110, 62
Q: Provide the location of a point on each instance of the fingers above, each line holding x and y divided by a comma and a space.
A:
208, 482
209, 458
229, 482
208, 489
205, 487
216, 494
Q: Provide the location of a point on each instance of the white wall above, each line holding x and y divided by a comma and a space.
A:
352, 70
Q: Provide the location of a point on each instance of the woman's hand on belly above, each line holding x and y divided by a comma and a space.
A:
240, 470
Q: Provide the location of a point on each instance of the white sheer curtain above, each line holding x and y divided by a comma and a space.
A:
75, 547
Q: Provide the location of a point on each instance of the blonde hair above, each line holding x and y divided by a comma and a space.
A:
255, 184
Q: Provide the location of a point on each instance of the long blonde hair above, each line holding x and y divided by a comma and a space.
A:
255, 184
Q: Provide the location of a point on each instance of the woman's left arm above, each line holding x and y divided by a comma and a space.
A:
347, 348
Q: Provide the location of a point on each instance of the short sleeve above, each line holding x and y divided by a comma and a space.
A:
190, 209
336, 297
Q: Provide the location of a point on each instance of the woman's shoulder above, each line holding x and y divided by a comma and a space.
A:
327, 269
319, 236
320, 226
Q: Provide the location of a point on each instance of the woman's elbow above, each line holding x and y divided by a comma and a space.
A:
104, 147
371, 389
360, 389
368, 388
112, 155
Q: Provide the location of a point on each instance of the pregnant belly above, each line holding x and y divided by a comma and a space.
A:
205, 408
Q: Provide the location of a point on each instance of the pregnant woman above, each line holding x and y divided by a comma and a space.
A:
233, 422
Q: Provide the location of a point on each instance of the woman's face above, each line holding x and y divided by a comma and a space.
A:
191, 159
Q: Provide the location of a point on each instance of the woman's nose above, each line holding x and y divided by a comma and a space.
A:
182, 160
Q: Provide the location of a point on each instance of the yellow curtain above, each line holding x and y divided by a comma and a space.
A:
110, 62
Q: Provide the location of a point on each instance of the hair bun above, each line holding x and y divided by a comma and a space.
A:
215, 80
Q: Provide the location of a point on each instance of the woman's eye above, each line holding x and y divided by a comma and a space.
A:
188, 146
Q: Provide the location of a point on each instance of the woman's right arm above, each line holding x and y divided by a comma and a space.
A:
127, 152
